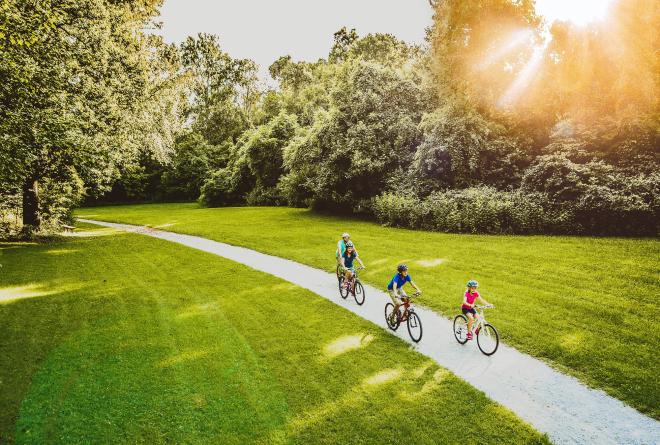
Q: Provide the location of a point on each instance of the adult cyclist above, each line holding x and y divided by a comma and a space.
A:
341, 246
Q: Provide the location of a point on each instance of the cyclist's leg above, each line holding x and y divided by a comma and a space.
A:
395, 302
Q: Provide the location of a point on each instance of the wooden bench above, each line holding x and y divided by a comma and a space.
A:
68, 228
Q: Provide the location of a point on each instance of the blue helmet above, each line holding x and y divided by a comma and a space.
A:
472, 283
401, 267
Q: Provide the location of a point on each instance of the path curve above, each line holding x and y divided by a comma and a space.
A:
554, 403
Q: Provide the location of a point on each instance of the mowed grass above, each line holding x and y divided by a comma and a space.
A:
121, 338
586, 305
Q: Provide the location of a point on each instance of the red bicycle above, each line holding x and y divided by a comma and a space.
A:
353, 286
405, 313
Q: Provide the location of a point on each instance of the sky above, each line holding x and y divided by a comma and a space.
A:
263, 30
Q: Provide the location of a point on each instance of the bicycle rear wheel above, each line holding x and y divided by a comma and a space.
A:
460, 329
339, 274
488, 339
392, 319
414, 326
359, 293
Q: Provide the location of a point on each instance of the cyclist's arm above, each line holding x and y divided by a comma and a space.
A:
465, 302
412, 283
484, 302
341, 260
360, 261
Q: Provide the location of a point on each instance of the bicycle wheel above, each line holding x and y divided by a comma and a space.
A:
414, 326
342, 288
488, 339
392, 319
359, 293
460, 329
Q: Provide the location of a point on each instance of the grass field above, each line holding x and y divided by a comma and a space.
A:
586, 305
120, 338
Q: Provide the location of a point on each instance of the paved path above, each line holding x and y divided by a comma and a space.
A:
556, 404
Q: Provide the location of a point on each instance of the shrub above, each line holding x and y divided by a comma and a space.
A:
472, 210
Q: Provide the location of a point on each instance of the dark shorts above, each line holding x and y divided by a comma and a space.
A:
470, 311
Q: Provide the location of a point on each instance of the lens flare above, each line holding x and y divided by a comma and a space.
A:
578, 12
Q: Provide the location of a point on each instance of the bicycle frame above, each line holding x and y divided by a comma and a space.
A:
407, 307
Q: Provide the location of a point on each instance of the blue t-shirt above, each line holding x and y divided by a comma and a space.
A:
399, 281
348, 259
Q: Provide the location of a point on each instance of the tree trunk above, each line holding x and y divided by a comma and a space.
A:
31, 203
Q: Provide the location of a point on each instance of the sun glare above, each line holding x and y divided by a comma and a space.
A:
579, 12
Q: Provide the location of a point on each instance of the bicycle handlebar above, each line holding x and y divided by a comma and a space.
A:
490, 306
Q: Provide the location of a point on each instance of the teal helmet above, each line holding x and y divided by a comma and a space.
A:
472, 283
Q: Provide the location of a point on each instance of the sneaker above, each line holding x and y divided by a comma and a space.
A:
469, 335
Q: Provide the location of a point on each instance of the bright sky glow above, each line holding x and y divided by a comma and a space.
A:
263, 30
579, 12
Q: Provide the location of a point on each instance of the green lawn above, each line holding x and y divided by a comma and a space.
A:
121, 338
586, 305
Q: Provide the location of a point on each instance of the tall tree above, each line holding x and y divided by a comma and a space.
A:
75, 81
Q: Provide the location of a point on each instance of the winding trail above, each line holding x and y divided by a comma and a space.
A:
554, 403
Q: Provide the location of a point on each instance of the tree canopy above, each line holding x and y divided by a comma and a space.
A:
497, 111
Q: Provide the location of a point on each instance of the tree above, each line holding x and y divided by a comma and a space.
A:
76, 79
219, 85
369, 131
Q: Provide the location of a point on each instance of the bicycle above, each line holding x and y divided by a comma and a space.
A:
405, 313
354, 287
488, 339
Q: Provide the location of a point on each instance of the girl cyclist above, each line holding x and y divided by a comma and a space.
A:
347, 259
469, 299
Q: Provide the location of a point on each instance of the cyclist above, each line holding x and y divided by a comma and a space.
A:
395, 287
341, 246
347, 259
469, 299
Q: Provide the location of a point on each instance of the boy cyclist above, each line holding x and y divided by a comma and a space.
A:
469, 299
395, 287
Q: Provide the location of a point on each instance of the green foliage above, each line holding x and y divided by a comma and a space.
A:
471, 210
82, 87
463, 148
600, 198
228, 185
190, 163
371, 129
264, 149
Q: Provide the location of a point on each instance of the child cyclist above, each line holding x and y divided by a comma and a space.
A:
469, 299
395, 286
347, 259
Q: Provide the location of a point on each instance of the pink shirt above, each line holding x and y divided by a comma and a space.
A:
470, 298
